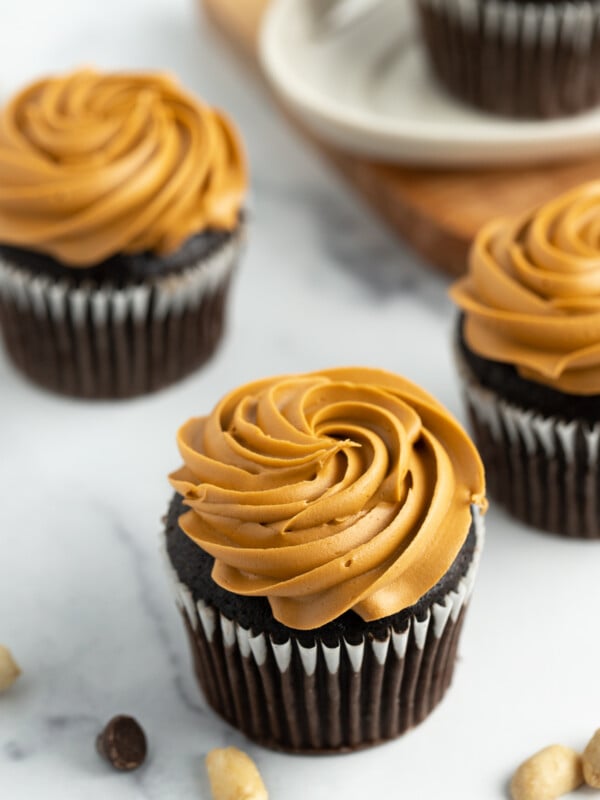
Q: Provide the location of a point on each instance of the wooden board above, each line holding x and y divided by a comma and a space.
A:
436, 211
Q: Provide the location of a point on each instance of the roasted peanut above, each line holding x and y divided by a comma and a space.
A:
591, 761
234, 776
9, 670
554, 771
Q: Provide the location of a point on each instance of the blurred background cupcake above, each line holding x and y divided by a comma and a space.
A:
519, 58
529, 353
324, 542
121, 221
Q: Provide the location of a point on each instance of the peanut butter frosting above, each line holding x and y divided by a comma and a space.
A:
532, 294
95, 164
344, 489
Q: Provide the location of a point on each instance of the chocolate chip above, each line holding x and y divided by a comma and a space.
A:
123, 743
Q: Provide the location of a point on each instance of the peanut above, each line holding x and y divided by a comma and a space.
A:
234, 776
554, 771
9, 671
591, 761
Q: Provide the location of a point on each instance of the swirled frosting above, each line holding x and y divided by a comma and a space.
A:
337, 490
532, 294
94, 164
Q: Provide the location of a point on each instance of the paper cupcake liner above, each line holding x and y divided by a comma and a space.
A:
98, 341
544, 470
515, 58
320, 699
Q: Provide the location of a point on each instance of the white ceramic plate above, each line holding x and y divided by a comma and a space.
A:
367, 89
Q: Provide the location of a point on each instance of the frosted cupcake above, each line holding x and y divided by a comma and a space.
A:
121, 221
529, 352
324, 540
519, 58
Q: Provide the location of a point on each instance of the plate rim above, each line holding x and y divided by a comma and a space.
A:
357, 122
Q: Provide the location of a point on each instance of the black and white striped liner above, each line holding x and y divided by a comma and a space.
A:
323, 698
97, 341
515, 58
544, 470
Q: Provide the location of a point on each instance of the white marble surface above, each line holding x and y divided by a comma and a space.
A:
84, 602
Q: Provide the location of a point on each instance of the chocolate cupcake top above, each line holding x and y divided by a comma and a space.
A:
344, 489
532, 294
94, 164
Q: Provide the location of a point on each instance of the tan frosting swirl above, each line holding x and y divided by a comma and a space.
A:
344, 489
532, 294
96, 164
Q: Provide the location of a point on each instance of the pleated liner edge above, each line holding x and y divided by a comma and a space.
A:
544, 470
104, 342
323, 699
514, 58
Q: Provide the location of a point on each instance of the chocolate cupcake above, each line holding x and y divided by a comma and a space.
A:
121, 221
529, 354
518, 58
323, 541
